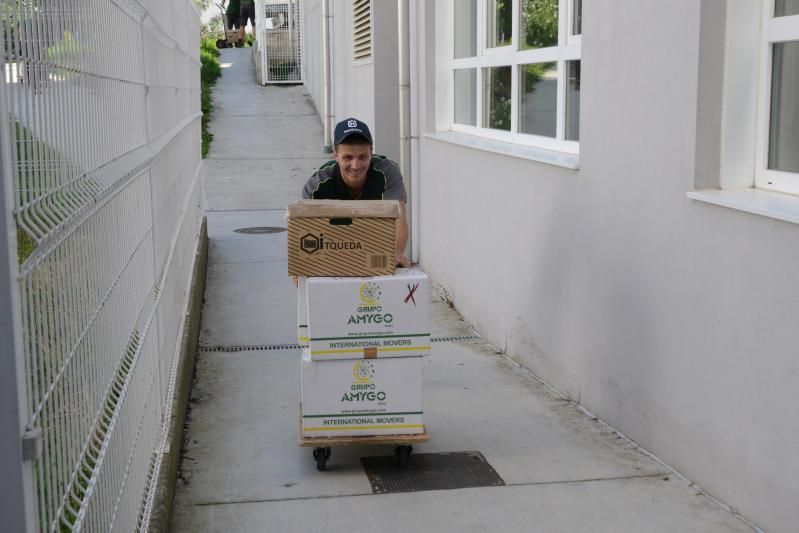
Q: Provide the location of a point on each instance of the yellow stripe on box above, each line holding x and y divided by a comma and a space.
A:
360, 350
348, 428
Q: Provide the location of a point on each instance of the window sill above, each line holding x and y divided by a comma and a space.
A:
531, 153
757, 201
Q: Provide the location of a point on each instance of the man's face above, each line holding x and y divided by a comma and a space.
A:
353, 160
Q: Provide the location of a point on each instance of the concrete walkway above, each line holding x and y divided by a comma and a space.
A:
242, 469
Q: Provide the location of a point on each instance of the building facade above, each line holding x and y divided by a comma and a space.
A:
606, 193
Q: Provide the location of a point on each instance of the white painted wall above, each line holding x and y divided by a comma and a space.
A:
385, 87
673, 320
367, 89
312, 57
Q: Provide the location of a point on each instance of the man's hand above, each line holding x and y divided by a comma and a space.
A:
403, 261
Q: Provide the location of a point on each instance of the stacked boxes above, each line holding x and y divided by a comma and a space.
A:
363, 338
362, 369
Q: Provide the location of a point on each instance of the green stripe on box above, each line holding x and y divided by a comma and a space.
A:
371, 337
365, 414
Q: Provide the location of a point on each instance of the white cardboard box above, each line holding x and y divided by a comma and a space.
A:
369, 317
361, 397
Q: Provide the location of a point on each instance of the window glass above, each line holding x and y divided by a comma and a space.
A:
539, 24
784, 8
572, 100
783, 152
496, 98
499, 23
465, 28
522, 88
577, 18
466, 96
538, 104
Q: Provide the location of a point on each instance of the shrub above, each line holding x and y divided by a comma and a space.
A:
209, 73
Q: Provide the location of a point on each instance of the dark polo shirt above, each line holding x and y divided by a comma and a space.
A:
383, 182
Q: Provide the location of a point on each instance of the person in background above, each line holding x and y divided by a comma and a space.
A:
246, 11
232, 14
356, 173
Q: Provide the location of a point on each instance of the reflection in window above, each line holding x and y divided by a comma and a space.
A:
539, 23
785, 8
538, 104
784, 125
465, 28
496, 98
577, 18
466, 96
499, 19
572, 100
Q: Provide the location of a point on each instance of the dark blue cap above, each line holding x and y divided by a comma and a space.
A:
349, 127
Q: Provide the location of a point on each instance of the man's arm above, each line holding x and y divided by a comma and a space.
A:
402, 238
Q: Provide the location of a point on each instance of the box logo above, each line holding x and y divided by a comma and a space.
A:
369, 310
370, 293
363, 389
310, 243
363, 371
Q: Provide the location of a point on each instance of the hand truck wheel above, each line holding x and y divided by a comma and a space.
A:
402, 455
321, 455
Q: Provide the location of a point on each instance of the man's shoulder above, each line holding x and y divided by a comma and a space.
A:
321, 178
384, 163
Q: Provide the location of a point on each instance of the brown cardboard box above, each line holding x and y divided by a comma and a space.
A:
342, 237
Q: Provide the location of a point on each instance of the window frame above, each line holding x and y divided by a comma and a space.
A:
567, 49
773, 30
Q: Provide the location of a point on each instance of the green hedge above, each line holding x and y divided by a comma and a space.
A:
209, 73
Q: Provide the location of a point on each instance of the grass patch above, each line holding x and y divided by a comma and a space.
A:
25, 246
35, 167
209, 73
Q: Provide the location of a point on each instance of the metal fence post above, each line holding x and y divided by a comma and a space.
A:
16, 471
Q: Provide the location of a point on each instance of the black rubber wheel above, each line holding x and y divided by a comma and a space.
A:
221, 43
321, 455
402, 454
239, 44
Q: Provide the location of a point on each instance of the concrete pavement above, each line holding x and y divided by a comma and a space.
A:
242, 469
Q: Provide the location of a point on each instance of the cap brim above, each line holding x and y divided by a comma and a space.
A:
353, 134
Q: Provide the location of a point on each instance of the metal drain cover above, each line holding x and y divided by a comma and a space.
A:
260, 230
430, 471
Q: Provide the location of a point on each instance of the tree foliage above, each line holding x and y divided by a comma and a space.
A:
202, 5
539, 23
214, 28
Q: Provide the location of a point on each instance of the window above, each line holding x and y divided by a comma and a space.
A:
361, 30
778, 150
516, 71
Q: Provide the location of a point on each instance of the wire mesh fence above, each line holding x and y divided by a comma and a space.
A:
103, 112
278, 26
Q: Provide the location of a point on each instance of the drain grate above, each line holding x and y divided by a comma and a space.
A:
430, 471
455, 339
260, 347
250, 348
260, 230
